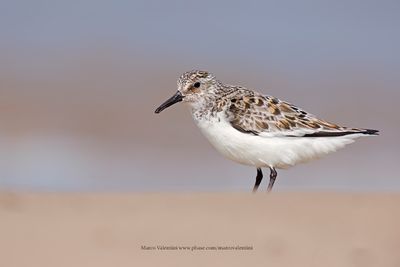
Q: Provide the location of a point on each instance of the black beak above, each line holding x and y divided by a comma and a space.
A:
177, 97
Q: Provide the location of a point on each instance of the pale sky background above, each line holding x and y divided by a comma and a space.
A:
79, 82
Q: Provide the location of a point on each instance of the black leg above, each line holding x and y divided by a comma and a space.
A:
258, 179
272, 178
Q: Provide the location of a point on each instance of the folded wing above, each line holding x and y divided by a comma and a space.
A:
268, 116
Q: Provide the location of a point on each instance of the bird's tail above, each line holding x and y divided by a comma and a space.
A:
369, 132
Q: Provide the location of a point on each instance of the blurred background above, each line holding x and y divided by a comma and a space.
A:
79, 82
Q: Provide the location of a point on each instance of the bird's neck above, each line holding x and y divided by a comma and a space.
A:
209, 105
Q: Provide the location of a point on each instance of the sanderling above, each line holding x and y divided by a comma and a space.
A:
255, 129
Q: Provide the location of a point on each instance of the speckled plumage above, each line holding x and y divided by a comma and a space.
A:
255, 129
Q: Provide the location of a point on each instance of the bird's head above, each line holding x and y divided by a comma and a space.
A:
193, 86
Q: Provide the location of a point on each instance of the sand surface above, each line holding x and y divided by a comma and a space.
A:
210, 229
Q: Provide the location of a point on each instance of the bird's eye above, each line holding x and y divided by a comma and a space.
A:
196, 85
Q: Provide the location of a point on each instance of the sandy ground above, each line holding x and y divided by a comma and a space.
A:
222, 229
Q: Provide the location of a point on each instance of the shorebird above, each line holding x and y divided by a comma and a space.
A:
256, 129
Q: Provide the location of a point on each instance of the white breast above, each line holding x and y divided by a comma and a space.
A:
278, 152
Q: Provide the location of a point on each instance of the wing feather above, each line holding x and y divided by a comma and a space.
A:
256, 114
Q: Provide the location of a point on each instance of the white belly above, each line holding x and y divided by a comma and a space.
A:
278, 152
